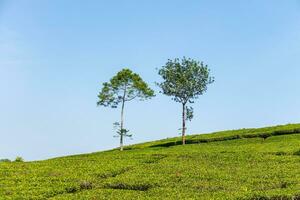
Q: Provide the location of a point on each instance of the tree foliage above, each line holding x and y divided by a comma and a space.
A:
121, 131
185, 80
125, 86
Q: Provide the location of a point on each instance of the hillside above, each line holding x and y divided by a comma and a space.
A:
240, 164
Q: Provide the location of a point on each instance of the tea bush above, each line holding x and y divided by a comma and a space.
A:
237, 164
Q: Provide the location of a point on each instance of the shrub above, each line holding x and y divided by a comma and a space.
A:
285, 132
19, 159
250, 136
85, 185
281, 153
297, 130
264, 135
71, 189
278, 197
284, 185
124, 186
297, 153
5, 160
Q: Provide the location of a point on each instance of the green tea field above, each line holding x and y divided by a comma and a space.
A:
241, 164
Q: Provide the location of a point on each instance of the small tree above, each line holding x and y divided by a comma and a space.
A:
123, 87
185, 80
19, 159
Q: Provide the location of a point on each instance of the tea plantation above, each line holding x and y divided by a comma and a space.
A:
241, 164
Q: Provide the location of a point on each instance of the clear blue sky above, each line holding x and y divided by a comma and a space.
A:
55, 54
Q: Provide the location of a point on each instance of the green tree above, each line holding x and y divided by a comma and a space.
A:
123, 87
19, 159
185, 80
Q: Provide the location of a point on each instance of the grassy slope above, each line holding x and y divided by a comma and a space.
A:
226, 165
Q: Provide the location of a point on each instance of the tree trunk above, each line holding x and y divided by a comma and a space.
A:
183, 123
122, 121
122, 127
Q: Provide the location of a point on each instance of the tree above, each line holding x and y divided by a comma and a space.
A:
185, 80
123, 87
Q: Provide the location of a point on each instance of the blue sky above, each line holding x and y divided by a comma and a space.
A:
55, 54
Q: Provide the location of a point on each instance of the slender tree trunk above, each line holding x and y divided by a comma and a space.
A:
122, 126
122, 121
183, 123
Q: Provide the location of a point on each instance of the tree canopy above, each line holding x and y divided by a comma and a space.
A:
185, 79
126, 86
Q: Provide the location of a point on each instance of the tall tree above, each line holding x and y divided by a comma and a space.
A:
123, 87
185, 80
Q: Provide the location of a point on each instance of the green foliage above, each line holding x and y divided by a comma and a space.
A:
5, 160
189, 113
184, 79
227, 166
86, 185
126, 86
297, 153
227, 135
19, 159
121, 131
122, 186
